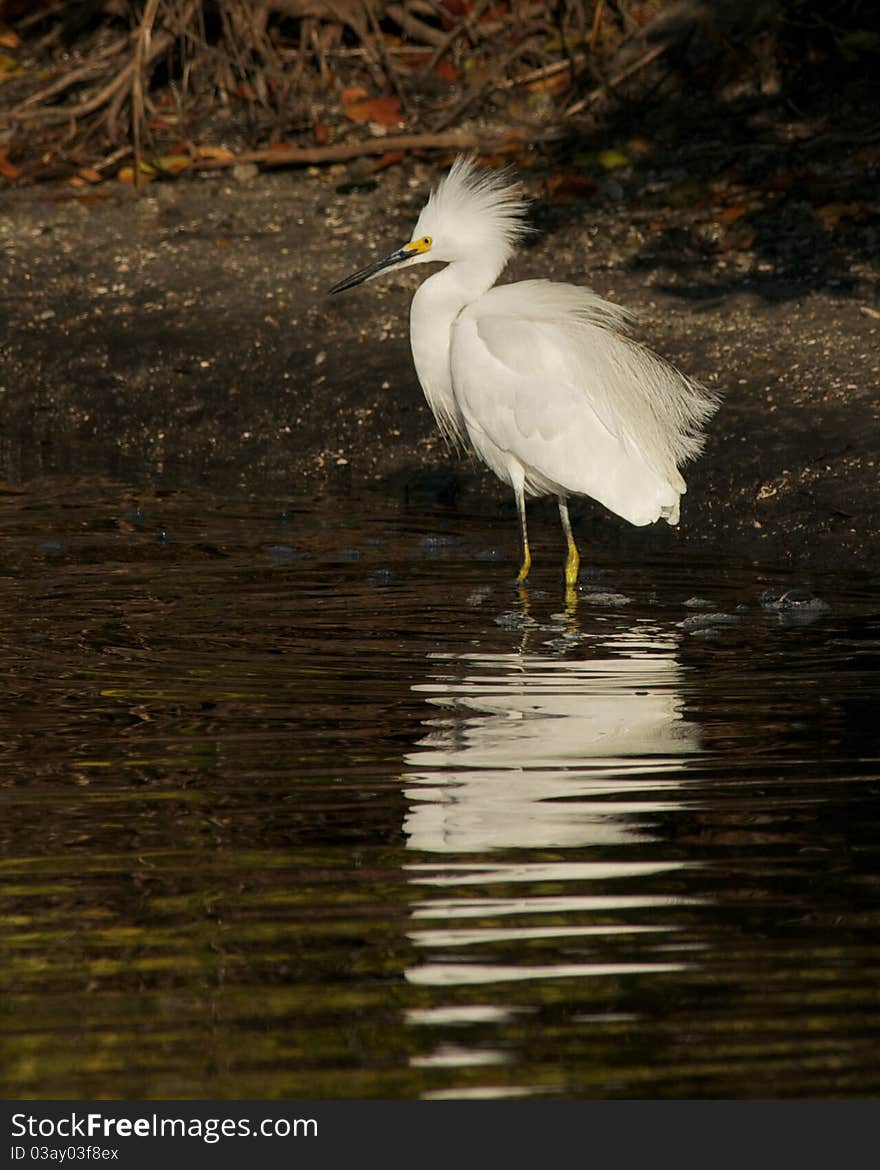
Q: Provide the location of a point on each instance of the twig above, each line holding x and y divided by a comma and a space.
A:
546, 71
560, 11
416, 28
466, 24
527, 13
486, 86
91, 67
308, 156
385, 58
597, 22
110, 159
70, 113
616, 79
426, 7
627, 22
112, 116
141, 55
300, 55
320, 55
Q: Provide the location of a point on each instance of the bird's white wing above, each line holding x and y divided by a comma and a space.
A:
568, 333
529, 374
524, 389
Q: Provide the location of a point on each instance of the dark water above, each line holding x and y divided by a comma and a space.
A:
315, 803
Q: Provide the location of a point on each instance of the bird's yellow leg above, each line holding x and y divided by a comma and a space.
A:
573, 562
526, 563
572, 565
526, 555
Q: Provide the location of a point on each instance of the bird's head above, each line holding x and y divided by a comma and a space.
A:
473, 215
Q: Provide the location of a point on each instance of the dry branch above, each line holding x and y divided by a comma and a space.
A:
273, 70
346, 151
426, 33
618, 79
141, 55
91, 68
55, 114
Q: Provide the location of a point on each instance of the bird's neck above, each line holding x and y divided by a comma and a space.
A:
435, 306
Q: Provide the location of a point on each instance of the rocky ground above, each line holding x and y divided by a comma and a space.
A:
183, 337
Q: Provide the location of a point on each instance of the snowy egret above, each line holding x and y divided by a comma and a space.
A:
540, 379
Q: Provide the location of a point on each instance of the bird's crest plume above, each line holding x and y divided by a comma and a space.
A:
475, 205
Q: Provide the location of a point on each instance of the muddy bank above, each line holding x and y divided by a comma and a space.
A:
183, 339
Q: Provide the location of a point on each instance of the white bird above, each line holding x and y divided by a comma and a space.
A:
540, 379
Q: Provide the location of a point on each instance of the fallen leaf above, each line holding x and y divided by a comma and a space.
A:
569, 188
639, 147
447, 70
9, 67
7, 169
89, 174
738, 239
415, 62
223, 153
321, 133
832, 213
243, 90
355, 94
608, 160
384, 111
126, 174
781, 181
389, 159
612, 159
688, 194
555, 83
173, 164
728, 215
9, 39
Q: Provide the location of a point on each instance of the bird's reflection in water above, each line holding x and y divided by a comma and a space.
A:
541, 780
532, 751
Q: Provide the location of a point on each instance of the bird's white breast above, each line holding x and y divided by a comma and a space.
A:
434, 309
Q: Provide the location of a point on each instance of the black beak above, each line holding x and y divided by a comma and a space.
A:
373, 269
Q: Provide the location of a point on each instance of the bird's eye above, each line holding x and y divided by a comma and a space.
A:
427, 241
